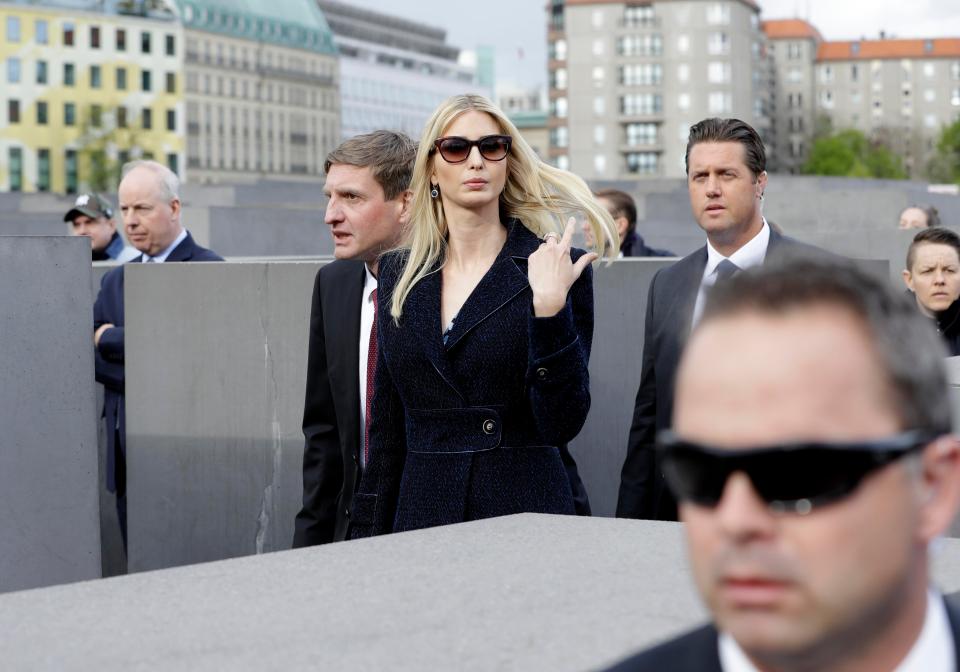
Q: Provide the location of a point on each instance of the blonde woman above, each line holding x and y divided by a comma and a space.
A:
484, 321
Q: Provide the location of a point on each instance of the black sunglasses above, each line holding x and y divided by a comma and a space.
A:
455, 149
792, 478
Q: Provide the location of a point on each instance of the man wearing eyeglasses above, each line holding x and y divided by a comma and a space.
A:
812, 458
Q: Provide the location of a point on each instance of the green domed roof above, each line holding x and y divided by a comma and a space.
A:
298, 24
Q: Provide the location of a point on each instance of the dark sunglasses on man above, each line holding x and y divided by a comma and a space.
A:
455, 149
790, 478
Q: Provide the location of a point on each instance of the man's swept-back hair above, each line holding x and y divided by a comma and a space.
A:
935, 236
906, 344
623, 206
730, 130
388, 154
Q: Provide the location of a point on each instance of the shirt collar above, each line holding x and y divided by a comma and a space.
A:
369, 284
750, 255
933, 651
166, 253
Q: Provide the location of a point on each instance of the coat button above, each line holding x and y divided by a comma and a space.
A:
356, 460
542, 373
346, 512
489, 426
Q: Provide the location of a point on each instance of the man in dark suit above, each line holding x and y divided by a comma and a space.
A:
813, 458
150, 208
726, 178
623, 209
368, 201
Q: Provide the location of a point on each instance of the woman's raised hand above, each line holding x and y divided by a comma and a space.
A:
552, 273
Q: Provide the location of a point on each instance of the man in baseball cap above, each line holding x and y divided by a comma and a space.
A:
92, 216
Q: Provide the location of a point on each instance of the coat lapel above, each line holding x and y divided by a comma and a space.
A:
421, 315
687, 288
506, 279
342, 321
183, 251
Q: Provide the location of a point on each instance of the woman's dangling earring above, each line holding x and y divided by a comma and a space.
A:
434, 192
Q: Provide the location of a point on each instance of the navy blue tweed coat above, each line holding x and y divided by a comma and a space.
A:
476, 427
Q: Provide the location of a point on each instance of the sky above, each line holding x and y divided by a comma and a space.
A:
517, 28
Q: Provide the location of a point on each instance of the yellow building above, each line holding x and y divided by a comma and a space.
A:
82, 92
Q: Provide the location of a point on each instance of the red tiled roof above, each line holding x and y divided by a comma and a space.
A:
878, 49
790, 28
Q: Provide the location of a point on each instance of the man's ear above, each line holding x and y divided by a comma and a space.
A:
761, 184
907, 279
406, 199
941, 487
175, 207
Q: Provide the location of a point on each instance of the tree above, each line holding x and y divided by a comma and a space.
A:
945, 165
100, 145
850, 153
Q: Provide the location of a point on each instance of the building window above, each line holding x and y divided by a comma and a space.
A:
16, 169
718, 13
173, 163
13, 30
13, 111
69, 114
718, 72
558, 108
641, 103
40, 31
171, 120
145, 42
599, 135
643, 74
854, 73
640, 45
145, 83
146, 119
683, 101
641, 134
94, 76
599, 106
41, 113
718, 44
559, 136
794, 50
955, 97
558, 50
70, 167
68, 32
170, 47
559, 79
826, 73
562, 162
171, 82
642, 163
69, 74
826, 98
96, 116
955, 69
683, 72
719, 102
598, 76
598, 48
121, 117
600, 164
41, 72
43, 170
929, 70
683, 43
930, 95
13, 70
638, 15
121, 39
598, 18
122, 79
94, 37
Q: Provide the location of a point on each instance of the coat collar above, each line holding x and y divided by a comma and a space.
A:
182, 252
505, 280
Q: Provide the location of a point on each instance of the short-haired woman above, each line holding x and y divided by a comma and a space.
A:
933, 275
485, 322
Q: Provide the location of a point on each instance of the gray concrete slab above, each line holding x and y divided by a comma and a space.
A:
528, 592
215, 376
48, 462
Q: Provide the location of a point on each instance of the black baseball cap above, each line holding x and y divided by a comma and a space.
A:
91, 205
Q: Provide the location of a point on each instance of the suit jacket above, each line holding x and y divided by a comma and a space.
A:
670, 303
331, 409
699, 651
476, 427
108, 355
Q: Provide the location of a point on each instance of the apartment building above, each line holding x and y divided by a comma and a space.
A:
394, 72
84, 85
628, 79
900, 91
262, 89
793, 45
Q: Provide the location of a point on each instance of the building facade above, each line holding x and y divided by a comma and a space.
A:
84, 91
627, 80
394, 72
262, 90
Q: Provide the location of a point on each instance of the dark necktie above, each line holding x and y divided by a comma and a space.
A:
726, 269
371, 373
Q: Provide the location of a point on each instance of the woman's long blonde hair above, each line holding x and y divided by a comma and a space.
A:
537, 194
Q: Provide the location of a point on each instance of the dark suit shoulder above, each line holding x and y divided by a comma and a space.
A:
342, 270
690, 265
696, 651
